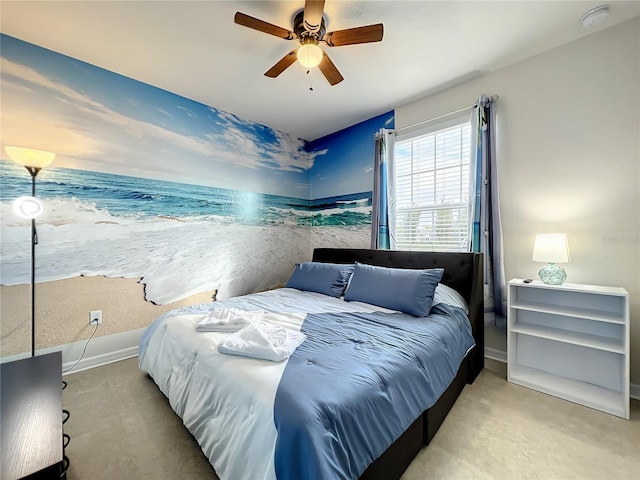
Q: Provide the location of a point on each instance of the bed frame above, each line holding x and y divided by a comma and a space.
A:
462, 272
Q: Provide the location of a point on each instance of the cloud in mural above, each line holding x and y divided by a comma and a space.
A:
283, 151
185, 141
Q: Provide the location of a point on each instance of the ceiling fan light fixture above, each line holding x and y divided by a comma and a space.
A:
308, 27
310, 55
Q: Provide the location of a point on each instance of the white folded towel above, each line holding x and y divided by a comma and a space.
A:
262, 340
228, 320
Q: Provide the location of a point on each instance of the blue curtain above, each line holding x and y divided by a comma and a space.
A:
485, 226
383, 198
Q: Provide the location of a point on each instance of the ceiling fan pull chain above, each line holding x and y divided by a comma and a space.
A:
310, 80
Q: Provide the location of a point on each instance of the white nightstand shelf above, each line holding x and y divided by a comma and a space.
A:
575, 391
576, 338
570, 341
586, 313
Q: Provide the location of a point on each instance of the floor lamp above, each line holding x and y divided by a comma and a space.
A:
30, 208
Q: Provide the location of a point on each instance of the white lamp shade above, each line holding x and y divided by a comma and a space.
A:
552, 248
28, 157
27, 207
309, 55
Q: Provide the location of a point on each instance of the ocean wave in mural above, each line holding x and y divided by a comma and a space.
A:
181, 239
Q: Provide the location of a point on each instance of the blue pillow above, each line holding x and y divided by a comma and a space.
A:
327, 278
406, 290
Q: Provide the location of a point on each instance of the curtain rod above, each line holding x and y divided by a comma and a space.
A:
395, 130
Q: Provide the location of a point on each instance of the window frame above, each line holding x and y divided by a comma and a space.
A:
463, 164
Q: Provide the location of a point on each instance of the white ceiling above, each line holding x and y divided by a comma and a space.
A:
194, 49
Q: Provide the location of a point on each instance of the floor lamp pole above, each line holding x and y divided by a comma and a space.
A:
34, 241
30, 207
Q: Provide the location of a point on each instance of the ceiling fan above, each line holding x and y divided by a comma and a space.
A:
309, 29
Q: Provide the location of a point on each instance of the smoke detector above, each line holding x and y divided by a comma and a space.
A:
595, 16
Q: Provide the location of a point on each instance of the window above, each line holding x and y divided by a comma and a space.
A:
432, 188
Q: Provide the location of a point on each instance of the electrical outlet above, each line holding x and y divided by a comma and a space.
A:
95, 317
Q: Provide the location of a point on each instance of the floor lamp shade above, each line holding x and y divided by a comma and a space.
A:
30, 207
552, 248
28, 157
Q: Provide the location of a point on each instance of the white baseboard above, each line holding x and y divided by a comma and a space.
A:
120, 346
497, 355
634, 391
100, 351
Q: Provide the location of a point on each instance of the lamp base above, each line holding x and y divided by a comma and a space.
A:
552, 274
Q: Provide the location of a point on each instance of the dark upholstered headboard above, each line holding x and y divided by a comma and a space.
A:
462, 272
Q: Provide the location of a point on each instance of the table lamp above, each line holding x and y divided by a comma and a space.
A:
552, 248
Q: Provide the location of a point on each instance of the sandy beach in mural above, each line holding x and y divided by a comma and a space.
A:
67, 302
63, 306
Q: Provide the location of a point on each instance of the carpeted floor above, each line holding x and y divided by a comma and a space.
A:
122, 427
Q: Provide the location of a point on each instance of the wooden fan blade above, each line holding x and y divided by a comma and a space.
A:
284, 63
352, 36
313, 14
262, 26
329, 70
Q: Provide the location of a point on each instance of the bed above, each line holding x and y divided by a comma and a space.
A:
321, 414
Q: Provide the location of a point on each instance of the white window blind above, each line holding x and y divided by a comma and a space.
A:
432, 188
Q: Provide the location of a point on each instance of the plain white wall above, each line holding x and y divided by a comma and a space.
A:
568, 157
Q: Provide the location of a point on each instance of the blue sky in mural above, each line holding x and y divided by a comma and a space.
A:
346, 163
97, 120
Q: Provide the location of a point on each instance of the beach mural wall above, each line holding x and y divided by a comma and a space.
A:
153, 200
341, 184
156, 201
